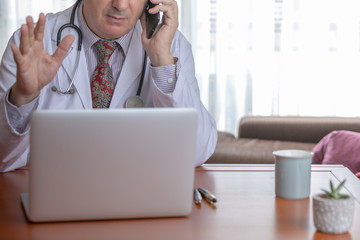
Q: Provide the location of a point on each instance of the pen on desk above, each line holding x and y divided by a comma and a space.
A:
197, 196
207, 195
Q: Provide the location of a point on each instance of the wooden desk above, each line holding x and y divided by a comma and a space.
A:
247, 209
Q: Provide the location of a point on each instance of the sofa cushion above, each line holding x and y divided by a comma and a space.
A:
230, 149
297, 129
339, 147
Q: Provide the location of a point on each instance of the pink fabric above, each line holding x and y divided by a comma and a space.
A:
339, 147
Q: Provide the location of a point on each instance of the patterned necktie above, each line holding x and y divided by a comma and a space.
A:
102, 86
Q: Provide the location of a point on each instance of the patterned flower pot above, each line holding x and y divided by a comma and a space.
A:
333, 216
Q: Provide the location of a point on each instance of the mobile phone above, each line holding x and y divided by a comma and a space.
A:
152, 20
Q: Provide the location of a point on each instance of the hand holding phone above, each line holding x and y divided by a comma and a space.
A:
159, 29
152, 20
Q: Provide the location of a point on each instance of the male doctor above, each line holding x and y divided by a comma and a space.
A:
33, 64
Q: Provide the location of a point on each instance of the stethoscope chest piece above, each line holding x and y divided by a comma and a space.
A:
134, 102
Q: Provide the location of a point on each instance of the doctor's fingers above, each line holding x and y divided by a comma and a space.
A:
24, 39
29, 35
19, 60
30, 25
169, 8
40, 27
63, 48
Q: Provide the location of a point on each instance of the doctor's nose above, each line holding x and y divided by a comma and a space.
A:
121, 5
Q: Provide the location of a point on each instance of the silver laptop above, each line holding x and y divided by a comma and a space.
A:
111, 164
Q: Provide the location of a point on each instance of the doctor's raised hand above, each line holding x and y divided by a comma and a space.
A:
35, 67
158, 46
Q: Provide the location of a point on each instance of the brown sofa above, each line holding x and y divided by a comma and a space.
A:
259, 136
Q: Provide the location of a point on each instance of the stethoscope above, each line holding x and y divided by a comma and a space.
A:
131, 102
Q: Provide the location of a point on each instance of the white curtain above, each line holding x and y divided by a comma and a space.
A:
275, 57
259, 57
14, 12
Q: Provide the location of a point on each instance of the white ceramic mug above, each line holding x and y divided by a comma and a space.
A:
292, 173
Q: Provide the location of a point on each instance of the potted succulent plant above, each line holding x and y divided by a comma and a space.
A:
333, 212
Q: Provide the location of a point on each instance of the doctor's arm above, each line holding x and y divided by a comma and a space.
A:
26, 68
14, 121
171, 56
186, 94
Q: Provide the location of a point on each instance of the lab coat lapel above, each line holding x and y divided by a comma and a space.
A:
82, 80
131, 70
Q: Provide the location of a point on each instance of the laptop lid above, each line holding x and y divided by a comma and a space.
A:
111, 164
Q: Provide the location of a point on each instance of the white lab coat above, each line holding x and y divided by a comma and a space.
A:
14, 146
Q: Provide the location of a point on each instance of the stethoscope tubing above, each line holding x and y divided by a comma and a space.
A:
72, 25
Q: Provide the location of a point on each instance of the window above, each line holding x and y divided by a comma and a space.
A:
13, 13
259, 57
